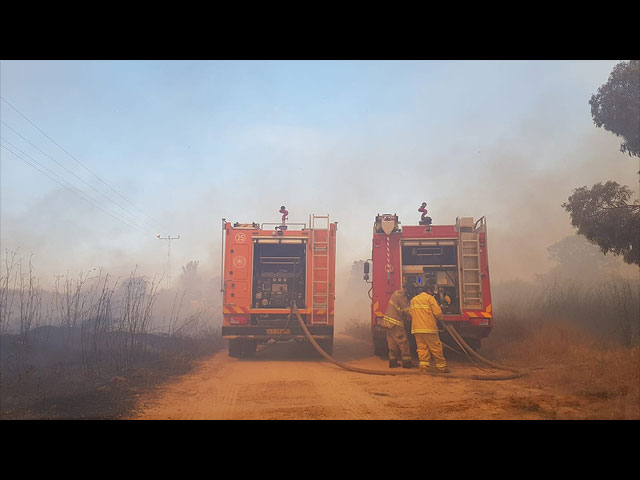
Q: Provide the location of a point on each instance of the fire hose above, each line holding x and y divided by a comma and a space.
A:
450, 329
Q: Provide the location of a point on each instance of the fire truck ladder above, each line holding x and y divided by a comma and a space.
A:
319, 270
471, 286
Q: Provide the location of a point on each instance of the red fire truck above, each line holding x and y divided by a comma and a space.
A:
266, 268
452, 258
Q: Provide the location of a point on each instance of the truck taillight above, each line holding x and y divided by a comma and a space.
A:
238, 320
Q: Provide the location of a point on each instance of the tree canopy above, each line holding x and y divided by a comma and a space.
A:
603, 215
616, 105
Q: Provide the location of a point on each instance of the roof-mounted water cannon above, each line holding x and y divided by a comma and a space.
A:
283, 225
424, 219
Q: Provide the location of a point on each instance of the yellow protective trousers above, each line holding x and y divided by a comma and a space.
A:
428, 345
398, 344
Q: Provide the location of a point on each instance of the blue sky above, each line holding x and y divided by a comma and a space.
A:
185, 143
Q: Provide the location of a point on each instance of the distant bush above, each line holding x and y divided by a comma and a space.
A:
358, 328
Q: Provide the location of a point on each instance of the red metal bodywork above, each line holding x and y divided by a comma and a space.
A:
241, 318
387, 277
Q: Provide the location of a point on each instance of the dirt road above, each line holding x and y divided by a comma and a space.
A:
288, 381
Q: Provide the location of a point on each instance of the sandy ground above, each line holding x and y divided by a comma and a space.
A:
287, 381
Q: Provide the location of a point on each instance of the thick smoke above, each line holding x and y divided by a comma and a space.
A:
517, 179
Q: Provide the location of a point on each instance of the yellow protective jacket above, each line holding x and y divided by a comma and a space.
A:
424, 311
397, 309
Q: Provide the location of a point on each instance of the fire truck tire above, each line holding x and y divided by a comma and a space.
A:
474, 343
235, 348
380, 348
249, 348
326, 345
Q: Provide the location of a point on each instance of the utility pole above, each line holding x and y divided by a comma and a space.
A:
169, 238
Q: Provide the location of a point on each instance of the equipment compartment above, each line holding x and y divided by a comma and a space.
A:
279, 273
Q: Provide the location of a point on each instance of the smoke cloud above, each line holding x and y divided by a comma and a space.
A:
516, 170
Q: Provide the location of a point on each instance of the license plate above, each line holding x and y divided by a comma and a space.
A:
278, 331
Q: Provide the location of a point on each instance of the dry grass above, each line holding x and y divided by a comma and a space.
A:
596, 371
584, 340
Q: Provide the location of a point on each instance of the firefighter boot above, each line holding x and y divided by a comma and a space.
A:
435, 369
407, 363
393, 363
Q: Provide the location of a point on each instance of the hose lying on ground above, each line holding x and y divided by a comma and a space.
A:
452, 331
294, 310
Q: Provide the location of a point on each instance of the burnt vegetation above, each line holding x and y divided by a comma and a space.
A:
88, 346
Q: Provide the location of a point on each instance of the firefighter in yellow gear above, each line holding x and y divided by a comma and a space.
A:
394, 321
444, 300
425, 311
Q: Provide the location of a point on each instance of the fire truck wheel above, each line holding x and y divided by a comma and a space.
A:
327, 346
473, 343
380, 348
249, 348
235, 348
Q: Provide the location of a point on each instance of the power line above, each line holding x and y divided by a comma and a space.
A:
79, 162
67, 187
72, 173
